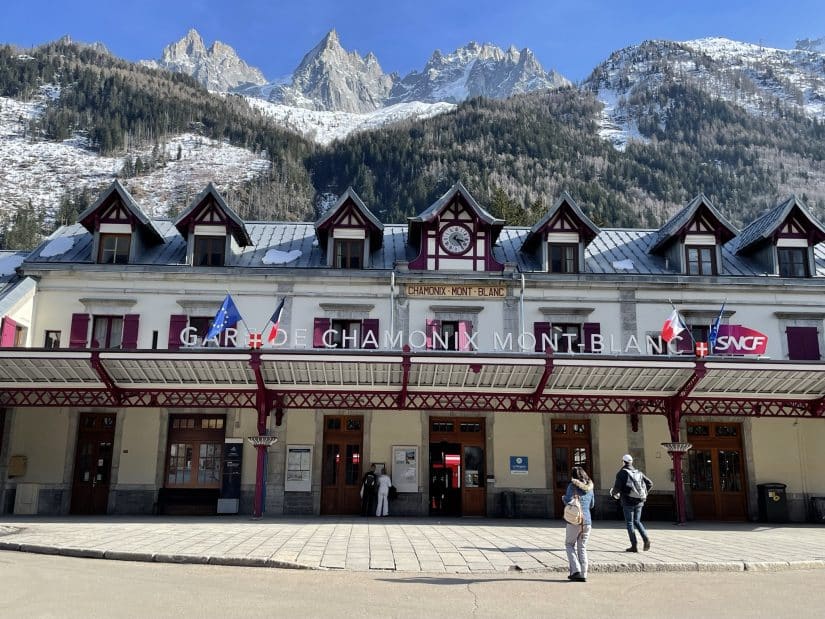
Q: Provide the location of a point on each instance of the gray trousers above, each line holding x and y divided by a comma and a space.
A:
575, 542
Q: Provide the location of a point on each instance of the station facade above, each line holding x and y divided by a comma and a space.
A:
477, 362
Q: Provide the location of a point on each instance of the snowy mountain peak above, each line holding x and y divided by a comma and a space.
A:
217, 68
811, 45
331, 78
476, 70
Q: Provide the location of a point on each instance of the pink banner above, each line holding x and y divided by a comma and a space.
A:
739, 340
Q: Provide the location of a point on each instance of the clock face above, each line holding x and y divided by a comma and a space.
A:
455, 239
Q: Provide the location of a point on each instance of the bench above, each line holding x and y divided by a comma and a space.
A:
188, 501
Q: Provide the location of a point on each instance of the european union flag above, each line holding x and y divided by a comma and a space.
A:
227, 316
714, 328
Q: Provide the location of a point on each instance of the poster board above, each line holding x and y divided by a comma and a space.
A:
404, 465
298, 468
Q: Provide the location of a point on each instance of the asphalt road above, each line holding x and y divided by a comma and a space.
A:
49, 586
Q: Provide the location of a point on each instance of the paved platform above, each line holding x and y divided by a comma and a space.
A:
414, 544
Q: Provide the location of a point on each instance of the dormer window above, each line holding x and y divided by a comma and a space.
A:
209, 251
793, 261
214, 233
348, 233
114, 248
348, 253
558, 241
701, 260
563, 258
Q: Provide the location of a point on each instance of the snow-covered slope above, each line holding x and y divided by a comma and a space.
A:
759, 79
41, 171
325, 127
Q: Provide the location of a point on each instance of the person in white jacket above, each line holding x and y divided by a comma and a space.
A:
384, 483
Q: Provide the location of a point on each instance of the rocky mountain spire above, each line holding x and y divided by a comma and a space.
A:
217, 68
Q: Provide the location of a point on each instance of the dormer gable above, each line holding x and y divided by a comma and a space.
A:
560, 237
119, 227
782, 240
212, 229
348, 232
455, 234
691, 240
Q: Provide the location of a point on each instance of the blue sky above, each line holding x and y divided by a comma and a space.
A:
571, 36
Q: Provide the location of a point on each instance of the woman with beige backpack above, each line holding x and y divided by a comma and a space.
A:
578, 501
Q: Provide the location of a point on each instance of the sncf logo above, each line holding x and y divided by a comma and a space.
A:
739, 340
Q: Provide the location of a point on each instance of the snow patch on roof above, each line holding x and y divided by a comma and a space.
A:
276, 256
9, 263
623, 265
57, 247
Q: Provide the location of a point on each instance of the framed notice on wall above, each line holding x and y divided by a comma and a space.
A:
405, 468
298, 468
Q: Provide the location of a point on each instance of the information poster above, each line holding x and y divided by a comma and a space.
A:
405, 468
298, 468
518, 465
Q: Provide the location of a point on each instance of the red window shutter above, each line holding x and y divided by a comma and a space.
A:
433, 327
131, 322
803, 343
321, 326
177, 323
465, 330
79, 333
369, 325
589, 329
540, 331
8, 331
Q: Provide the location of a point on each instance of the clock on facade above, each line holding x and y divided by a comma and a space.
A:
455, 239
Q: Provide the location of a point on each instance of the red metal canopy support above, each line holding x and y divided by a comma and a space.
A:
101, 372
406, 364
261, 406
545, 376
674, 415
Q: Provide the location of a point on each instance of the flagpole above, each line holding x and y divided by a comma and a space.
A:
690, 333
718, 323
245, 326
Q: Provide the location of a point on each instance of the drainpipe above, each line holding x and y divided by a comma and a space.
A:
392, 306
519, 337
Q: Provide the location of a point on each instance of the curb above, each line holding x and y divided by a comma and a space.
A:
146, 557
189, 559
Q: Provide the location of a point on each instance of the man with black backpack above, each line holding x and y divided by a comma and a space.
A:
369, 492
631, 488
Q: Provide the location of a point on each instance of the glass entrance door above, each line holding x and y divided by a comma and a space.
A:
571, 447
716, 468
341, 465
93, 463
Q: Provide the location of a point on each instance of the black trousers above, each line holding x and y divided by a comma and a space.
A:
369, 503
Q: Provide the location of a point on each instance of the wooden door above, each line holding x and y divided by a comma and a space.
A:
457, 446
717, 471
341, 465
571, 447
93, 463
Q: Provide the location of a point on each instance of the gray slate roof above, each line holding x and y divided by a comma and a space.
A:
12, 292
128, 202
675, 223
436, 207
764, 227
241, 233
612, 245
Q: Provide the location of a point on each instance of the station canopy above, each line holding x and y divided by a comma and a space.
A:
440, 380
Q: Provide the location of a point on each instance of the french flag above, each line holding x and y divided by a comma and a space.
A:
673, 326
275, 320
